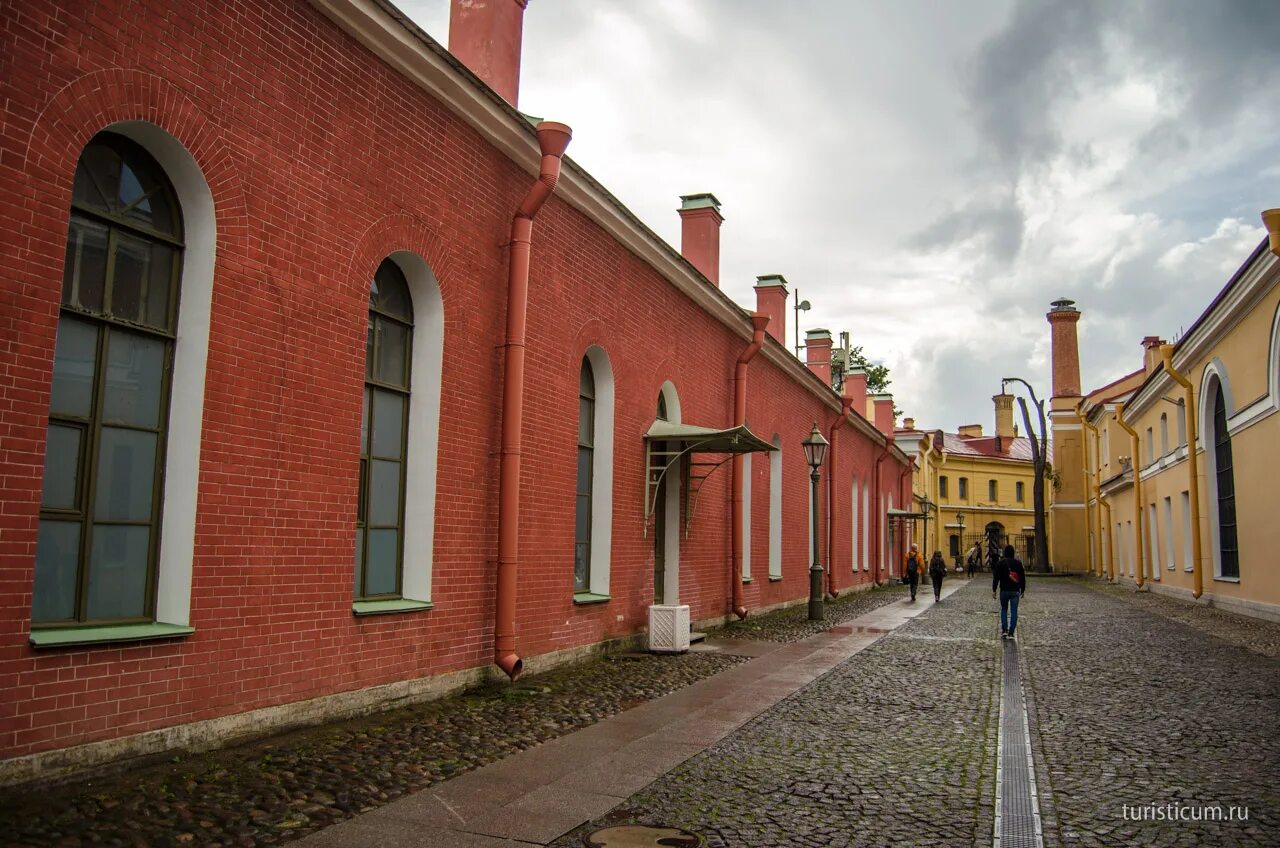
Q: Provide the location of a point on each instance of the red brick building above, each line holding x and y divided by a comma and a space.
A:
272, 418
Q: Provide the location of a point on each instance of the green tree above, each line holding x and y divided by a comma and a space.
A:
877, 375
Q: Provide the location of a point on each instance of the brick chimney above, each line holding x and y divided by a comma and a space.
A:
485, 36
817, 350
883, 405
1151, 353
855, 386
700, 221
1004, 416
771, 299
1065, 352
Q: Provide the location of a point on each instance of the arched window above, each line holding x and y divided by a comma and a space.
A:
942, 488
1164, 433
1019, 492
99, 535
964, 488
384, 436
853, 533
1182, 423
1224, 478
586, 453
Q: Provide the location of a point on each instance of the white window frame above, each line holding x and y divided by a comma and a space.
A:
601, 529
775, 510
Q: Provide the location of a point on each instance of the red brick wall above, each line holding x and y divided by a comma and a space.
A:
321, 161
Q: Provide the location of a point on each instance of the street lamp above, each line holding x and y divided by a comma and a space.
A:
960, 541
815, 451
800, 305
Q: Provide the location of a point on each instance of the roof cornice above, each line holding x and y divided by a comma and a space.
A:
395, 39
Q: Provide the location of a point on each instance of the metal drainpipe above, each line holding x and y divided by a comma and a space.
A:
1139, 541
846, 403
881, 541
1097, 488
759, 321
1084, 462
1111, 560
553, 138
1197, 576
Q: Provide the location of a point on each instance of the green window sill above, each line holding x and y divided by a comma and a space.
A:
583, 598
746, 580
777, 579
393, 605
61, 637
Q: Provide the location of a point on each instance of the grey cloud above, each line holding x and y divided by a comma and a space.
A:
999, 224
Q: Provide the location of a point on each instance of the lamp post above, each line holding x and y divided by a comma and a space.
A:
800, 305
1038, 460
960, 543
815, 451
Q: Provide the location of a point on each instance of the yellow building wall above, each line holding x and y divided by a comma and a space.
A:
1244, 354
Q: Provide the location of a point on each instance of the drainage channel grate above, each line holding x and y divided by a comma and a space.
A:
1017, 809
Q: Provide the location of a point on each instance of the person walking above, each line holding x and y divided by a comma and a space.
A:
1009, 581
911, 569
937, 571
973, 557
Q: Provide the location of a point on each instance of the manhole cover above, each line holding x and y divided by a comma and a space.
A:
642, 836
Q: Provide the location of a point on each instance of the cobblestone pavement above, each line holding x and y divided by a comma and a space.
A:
895, 746
280, 789
1252, 634
793, 624
1131, 706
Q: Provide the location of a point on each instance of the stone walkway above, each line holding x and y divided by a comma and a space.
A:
535, 797
1146, 717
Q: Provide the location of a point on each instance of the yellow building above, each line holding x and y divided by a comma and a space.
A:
975, 489
1199, 524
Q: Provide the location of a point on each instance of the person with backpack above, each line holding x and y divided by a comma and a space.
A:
937, 571
1009, 580
973, 558
911, 569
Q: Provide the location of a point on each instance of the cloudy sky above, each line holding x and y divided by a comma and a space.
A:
931, 175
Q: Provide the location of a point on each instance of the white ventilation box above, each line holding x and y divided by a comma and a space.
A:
668, 628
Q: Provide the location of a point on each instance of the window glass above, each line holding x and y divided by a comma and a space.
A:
135, 379
380, 499
96, 549
118, 571
586, 460
61, 464
57, 563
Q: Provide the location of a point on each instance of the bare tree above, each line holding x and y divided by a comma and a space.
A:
1038, 461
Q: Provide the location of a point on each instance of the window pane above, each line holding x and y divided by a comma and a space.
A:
118, 571
388, 424
384, 494
85, 272
368, 351
57, 552
383, 566
126, 478
135, 377
144, 198
586, 381
364, 422
580, 582
140, 283
97, 173
582, 518
359, 559
586, 422
61, 460
73, 366
390, 291
584, 471
393, 344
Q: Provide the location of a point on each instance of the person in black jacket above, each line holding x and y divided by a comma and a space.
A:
937, 571
1009, 579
